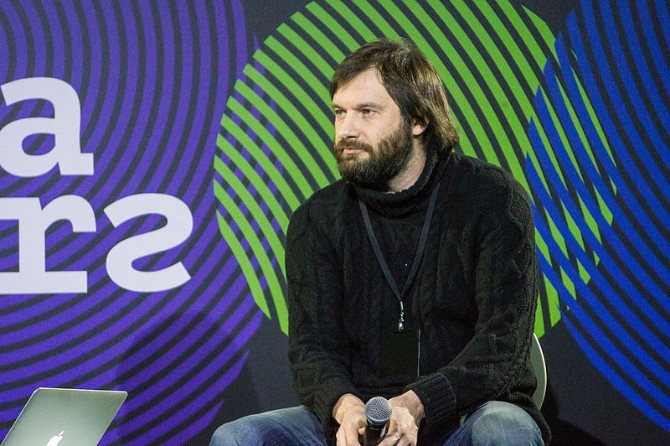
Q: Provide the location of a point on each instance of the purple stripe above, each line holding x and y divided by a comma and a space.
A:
73, 355
80, 368
114, 140
240, 33
128, 101
40, 50
138, 423
38, 46
164, 100
201, 256
5, 75
20, 46
60, 320
145, 379
79, 65
95, 99
187, 342
141, 400
101, 97
234, 292
51, 304
203, 126
183, 121
56, 47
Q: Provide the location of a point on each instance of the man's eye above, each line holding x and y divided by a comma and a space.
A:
339, 113
367, 111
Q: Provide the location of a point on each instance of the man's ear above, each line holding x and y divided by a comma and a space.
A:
418, 128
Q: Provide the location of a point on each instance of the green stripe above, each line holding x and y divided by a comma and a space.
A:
267, 270
352, 19
245, 265
545, 142
376, 18
301, 98
540, 26
285, 131
255, 210
287, 162
468, 79
245, 141
310, 62
256, 181
454, 87
317, 85
315, 33
530, 76
311, 55
333, 25
527, 39
518, 129
539, 322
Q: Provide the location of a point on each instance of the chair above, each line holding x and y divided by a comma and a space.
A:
540, 369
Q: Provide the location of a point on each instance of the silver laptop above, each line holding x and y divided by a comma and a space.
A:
65, 417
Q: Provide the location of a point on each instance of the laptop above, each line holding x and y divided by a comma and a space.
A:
65, 417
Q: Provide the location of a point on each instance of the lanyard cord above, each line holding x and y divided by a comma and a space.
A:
417, 258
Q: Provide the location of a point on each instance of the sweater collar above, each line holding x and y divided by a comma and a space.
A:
414, 197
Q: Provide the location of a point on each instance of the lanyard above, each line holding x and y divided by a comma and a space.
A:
417, 258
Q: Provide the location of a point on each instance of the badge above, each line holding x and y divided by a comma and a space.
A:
400, 353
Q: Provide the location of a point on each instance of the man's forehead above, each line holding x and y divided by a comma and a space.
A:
371, 75
365, 88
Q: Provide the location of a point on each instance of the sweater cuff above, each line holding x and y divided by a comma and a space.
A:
438, 399
324, 402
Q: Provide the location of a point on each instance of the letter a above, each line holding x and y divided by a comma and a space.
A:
65, 125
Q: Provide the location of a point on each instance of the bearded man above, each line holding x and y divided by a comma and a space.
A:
413, 278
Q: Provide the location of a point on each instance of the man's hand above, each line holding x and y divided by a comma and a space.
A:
405, 420
349, 412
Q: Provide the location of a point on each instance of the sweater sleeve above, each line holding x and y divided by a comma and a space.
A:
505, 270
317, 343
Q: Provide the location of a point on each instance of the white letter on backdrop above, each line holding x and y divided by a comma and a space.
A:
65, 125
32, 277
176, 230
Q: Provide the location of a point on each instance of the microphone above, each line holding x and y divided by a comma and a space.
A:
377, 415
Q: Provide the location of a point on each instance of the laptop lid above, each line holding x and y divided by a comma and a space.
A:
65, 417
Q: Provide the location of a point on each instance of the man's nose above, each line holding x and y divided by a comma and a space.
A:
348, 126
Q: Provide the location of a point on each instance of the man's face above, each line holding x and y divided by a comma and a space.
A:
373, 142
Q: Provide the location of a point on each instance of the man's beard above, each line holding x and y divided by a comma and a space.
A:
382, 164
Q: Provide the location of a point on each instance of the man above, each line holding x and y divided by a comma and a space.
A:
413, 278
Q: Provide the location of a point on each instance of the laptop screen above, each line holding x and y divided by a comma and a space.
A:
65, 417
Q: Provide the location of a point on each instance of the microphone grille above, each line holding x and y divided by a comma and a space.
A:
378, 410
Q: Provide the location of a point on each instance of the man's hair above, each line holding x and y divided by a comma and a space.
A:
412, 82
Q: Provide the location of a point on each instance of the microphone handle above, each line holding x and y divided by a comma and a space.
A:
374, 435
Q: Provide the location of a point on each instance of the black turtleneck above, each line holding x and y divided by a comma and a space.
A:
397, 219
473, 298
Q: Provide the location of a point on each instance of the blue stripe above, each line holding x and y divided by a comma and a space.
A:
614, 94
631, 90
592, 328
564, 117
597, 279
611, 375
612, 170
659, 61
664, 18
612, 133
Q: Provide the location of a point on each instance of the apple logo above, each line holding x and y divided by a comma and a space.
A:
55, 439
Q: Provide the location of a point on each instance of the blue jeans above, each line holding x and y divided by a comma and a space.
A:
294, 426
494, 423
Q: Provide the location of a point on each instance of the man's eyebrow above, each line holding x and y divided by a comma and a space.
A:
362, 105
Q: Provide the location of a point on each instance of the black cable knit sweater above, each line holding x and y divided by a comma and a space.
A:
473, 298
